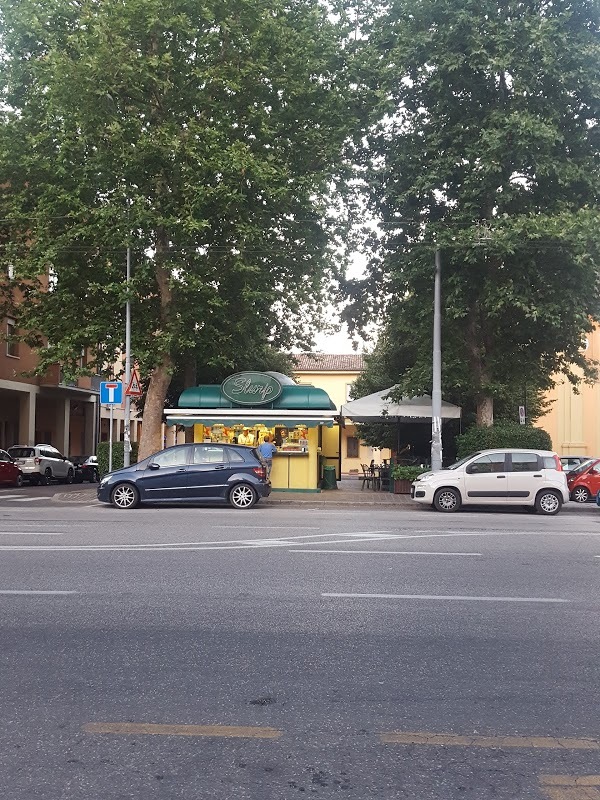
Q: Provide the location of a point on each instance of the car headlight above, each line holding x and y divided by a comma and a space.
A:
104, 481
426, 476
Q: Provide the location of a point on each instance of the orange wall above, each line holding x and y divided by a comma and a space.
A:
573, 421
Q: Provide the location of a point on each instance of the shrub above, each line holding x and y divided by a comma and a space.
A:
502, 434
117, 459
402, 473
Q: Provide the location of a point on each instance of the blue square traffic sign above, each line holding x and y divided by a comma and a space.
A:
111, 393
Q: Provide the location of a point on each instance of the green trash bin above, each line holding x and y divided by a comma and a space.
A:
329, 478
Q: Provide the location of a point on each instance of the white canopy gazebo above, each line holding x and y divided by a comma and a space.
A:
378, 407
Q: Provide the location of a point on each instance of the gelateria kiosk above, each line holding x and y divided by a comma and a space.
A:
249, 406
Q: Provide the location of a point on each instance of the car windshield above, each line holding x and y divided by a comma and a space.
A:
21, 452
462, 461
583, 467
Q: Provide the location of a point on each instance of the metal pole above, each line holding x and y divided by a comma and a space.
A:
110, 439
436, 393
127, 424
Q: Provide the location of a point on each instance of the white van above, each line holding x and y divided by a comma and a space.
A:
533, 478
42, 463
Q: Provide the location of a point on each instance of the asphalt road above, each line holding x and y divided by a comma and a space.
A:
285, 652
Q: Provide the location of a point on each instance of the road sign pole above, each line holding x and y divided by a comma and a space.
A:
436, 394
110, 438
127, 424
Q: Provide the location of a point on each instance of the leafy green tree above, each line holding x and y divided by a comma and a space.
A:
488, 148
207, 136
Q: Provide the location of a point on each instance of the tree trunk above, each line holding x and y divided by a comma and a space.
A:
152, 439
160, 378
485, 411
476, 349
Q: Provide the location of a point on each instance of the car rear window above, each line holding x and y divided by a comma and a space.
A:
549, 462
22, 452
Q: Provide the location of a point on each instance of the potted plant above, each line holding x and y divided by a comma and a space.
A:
404, 476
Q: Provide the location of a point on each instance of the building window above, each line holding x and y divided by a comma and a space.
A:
12, 347
351, 447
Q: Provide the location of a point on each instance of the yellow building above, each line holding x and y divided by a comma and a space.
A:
573, 419
335, 374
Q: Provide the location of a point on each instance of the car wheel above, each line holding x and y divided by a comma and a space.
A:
447, 500
70, 476
243, 496
548, 502
19, 481
125, 495
46, 477
581, 495
93, 477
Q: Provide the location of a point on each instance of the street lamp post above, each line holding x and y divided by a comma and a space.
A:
436, 393
127, 422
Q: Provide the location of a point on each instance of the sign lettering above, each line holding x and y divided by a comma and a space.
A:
251, 388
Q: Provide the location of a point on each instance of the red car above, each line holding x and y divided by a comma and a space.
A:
584, 481
9, 471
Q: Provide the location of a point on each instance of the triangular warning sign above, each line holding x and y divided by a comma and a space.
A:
134, 388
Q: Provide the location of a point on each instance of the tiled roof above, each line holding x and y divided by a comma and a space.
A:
324, 362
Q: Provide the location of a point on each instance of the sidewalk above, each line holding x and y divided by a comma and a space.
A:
348, 493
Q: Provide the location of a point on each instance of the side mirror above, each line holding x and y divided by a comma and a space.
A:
154, 466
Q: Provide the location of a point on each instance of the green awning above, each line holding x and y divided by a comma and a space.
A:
251, 422
292, 398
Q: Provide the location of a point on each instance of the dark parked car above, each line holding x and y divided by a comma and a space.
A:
572, 462
190, 473
86, 469
10, 472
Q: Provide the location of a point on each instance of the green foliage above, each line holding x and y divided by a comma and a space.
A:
502, 434
489, 150
209, 137
117, 459
400, 473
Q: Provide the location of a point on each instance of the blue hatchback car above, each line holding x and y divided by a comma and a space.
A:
190, 473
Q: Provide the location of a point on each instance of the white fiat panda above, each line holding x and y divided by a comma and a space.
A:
532, 478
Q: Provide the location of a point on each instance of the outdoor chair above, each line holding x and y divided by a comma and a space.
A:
367, 477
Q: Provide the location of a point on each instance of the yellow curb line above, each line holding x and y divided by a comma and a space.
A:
223, 731
570, 780
450, 740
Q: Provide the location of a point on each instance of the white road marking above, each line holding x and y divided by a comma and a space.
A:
28, 499
32, 533
226, 544
390, 552
34, 591
446, 597
265, 527
8, 496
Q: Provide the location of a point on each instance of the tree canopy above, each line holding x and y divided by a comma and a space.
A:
210, 138
487, 148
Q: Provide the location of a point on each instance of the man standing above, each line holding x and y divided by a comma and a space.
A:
267, 449
246, 438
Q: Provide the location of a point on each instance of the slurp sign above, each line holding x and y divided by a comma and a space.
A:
251, 388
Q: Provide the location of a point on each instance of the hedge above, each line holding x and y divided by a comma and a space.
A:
502, 434
117, 459
407, 473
